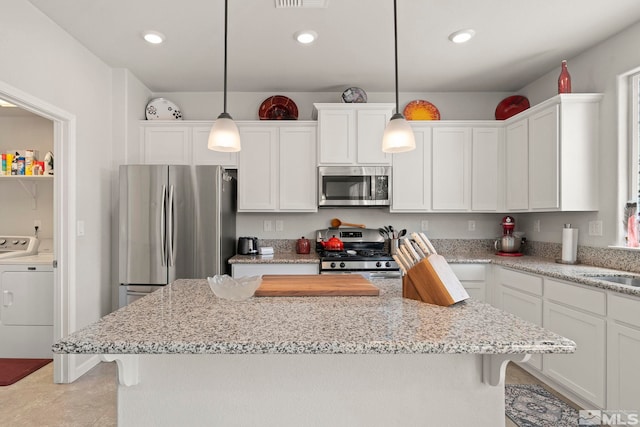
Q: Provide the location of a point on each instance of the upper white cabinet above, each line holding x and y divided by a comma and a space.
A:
411, 175
350, 134
455, 167
551, 155
180, 143
277, 167
451, 169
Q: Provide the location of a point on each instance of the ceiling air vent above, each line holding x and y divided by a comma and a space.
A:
281, 4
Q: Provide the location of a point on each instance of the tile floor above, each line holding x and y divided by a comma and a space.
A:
91, 400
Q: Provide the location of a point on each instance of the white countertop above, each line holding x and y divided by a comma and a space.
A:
41, 258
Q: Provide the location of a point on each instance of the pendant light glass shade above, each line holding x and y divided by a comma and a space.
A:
398, 136
224, 135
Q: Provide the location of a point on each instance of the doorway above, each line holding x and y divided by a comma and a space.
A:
64, 208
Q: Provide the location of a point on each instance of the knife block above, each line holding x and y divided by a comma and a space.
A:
432, 281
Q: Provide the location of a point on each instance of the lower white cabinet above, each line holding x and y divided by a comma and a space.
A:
583, 372
240, 270
473, 278
520, 294
623, 353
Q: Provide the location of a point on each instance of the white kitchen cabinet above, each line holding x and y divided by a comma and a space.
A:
516, 165
520, 294
165, 145
297, 171
473, 279
486, 164
623, 348
276, 167
258, 168
351, 134
551, 155
577, 312
180, 143
203, 156
451, 168
255, 269
411, 175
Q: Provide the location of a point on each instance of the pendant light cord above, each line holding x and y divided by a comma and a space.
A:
224, 107
395, 38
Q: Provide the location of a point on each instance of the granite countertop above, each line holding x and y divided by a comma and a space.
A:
276, 258
577, 273
187, 318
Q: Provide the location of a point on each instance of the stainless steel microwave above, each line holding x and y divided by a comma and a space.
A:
354, 186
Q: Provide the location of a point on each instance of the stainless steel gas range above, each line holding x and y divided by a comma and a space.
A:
364, 252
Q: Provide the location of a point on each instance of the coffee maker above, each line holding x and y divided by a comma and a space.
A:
508, 244
247, 245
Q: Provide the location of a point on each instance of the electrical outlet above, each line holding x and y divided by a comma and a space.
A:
471, 225
279, 225
424, 225
267, 225
536, 225
595, 228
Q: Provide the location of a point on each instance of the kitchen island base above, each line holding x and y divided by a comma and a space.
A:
311, 389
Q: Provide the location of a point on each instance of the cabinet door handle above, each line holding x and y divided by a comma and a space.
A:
7, 298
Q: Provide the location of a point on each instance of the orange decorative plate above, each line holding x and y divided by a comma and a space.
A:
421, 110
278, 107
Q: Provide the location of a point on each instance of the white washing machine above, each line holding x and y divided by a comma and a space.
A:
26, 299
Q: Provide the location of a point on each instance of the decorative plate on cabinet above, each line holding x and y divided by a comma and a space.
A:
511, 106
421, 110
354, 95
162, 109
278, 107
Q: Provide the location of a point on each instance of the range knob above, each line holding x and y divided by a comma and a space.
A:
387, 264
333, 265
378, 264
342, 265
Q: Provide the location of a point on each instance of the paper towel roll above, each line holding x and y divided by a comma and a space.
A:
569, 244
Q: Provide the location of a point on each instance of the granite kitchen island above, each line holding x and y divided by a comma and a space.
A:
186, 357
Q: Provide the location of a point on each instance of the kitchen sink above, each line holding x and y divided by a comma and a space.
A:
622, 279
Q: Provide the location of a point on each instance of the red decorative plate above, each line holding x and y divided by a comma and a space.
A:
421, 110
511, 106
278, 107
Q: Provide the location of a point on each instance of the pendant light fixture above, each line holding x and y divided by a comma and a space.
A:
398, 135
224, 135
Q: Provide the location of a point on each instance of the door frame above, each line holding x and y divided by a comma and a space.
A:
64, 218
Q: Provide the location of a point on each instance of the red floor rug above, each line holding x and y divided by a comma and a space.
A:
12, 370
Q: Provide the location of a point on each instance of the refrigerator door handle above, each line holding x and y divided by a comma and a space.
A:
170, 231
163, 223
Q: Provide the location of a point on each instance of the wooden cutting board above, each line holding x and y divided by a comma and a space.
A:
315, 285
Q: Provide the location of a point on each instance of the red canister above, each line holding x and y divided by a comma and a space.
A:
303, 246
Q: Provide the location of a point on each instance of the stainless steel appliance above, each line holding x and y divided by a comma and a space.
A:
247, 245
508, 244
364, 253
176, 222
354, 186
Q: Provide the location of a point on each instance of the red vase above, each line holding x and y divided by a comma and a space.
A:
564, 81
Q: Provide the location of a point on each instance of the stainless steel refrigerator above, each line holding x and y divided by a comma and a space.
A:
176, 222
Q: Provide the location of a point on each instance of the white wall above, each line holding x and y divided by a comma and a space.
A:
43, 61
23, 130
592, 71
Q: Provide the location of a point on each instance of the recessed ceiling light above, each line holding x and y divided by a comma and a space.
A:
4, 103
462, 36
306, 36
153, 37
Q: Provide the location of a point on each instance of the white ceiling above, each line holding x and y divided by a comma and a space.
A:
516, 41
